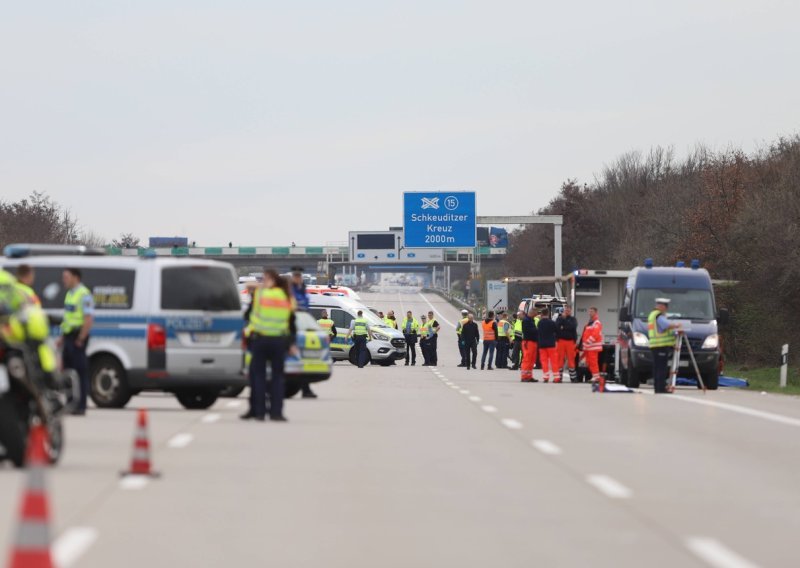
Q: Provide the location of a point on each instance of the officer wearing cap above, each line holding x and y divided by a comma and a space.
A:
464, 319
300, 295
661, 333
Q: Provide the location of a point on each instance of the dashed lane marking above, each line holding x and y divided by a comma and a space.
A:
546, 447
717, 554
489, 408
179, 441
464, 391
436, 312
71, 545
609, 486
210, 418
474, 398
511, 424
134, 482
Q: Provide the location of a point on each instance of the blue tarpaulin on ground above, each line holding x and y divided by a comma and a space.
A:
723, 382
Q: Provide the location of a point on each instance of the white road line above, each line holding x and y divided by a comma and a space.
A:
489, 408
436, 312
134, 482
779, 418
455, 387
546, 447
717, 554
609, 487
511, 424
234, 404
464, 391
180, 441
211, 418
71, 545
475, 398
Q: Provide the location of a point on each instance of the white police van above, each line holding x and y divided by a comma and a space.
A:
160, 324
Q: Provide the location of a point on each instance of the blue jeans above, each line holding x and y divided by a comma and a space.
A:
488, 347
272, 349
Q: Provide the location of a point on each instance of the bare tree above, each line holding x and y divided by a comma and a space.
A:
37, 219
126, 241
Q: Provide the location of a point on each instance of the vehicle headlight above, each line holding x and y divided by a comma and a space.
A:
711, 342
379, 336
640, 339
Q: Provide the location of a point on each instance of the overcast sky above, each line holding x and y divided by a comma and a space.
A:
264, 122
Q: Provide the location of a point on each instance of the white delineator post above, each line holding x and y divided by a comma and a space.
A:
784, 364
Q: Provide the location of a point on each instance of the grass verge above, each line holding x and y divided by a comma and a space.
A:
765, 378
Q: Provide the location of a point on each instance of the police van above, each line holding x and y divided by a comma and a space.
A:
160, 324
385, 345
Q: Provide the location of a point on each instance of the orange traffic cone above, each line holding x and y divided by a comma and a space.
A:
32, 541
140, 463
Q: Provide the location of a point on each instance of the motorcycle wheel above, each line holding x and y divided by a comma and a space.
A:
55, 440
13, 431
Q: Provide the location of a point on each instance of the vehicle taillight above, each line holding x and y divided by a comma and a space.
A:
156, 337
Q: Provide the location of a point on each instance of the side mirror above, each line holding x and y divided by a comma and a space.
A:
724, 316
624, 314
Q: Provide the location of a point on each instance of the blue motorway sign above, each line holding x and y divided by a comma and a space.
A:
439, 219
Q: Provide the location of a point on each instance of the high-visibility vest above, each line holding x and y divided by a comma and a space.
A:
461, 325
503, 328
424, 330
29, 295
360, 327
271, 312
518, 329
414, 325
326, 324
73, 309
390, 322
488, 330
592, 339
658, 338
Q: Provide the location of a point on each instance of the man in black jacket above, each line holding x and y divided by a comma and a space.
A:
566, 338
470, 335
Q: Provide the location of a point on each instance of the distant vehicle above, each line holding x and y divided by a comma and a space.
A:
385, 345
541, 301
314, 362
161, 324
308, 279
334, 291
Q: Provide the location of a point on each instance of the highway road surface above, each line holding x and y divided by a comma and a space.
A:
421, 467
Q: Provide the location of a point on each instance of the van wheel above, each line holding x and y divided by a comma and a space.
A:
634, 379
712, 381
197, 399
231, 392
108, 385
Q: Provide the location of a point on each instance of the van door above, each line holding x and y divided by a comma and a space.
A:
341, 319
201, 315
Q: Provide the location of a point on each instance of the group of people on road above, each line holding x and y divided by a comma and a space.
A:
423, 332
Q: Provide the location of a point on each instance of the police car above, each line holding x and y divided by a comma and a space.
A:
160, 324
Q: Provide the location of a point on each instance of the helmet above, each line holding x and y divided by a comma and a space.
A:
10, 298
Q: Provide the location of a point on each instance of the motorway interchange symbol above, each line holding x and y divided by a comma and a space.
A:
432, 203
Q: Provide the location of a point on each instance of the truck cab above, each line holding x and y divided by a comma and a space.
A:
691, 292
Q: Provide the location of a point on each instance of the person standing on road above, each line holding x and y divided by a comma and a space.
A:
410, 329
530, 337
661, 333
592, 346
470, 336
433, 339
25, 278
464, 319
566, 337
390, 320
302, 303
516, 352
424, 346
489, 340
547, 346
75, 330
327, 325
503, 332
273, 333
359, 330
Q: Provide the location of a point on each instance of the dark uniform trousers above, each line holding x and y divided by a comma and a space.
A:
74, 357
661, 360
263, 349
362, 351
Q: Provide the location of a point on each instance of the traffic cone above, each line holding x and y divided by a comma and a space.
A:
32, 541
140, 463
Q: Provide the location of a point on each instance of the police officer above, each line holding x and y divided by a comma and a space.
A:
25, 278
359, 331
503, 333
459, 328
516, 351
390, 319
273, 330
433, 339
75, 329
327, 324
300, 294
661, 333
410, 329
424, 336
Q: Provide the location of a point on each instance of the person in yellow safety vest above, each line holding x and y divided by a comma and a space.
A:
433, 339
464, 352
516, 352
661, 334
327, 324
271, 318
359, 331
390, 320
410, 329
424, 341
75, 330
503, 333
25, 278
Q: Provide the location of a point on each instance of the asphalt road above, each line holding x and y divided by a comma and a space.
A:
418, 467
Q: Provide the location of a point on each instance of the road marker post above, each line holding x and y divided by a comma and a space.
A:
784, 365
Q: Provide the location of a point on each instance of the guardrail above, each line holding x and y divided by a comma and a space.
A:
342, 253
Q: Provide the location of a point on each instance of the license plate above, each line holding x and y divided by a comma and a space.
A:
206, 337
5, 383
312, 354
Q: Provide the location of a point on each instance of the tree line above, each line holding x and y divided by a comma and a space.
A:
738, 213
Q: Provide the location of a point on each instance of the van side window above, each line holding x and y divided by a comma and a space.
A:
341, 318
316, 312
112, 288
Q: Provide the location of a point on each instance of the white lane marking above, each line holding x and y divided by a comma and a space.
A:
210, 418
717, 554
779, 418
180, 441
455, 387
464, 391
609, 486
436, 312
71, 545
489, 408
234, 404
512, 424
546, 447
475, 398
134, 482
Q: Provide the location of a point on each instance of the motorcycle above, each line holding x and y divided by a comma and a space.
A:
29, 396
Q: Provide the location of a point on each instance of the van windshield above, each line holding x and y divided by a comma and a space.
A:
685, 304
205, 288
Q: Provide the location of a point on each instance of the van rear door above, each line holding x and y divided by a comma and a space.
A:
202, 319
